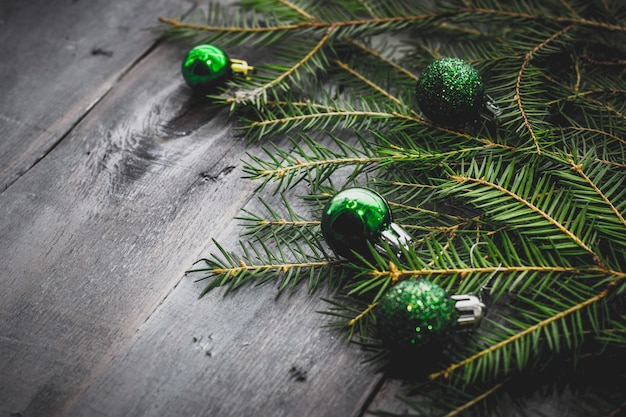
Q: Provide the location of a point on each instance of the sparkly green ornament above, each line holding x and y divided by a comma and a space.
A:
416, 314
358, 217
207, 67
451, 92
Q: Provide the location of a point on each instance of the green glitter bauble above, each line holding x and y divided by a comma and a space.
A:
206, 67
414, 315
352, 218
450, 92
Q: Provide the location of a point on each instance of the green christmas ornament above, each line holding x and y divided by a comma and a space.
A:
451, 92
357, 217
207, 67
416, 314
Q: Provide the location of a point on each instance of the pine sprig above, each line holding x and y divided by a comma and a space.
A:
529, 211
261, 262
522, 339
526, 204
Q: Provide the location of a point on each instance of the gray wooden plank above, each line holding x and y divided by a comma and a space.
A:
387, 398
99, 232
247, 354
58, 59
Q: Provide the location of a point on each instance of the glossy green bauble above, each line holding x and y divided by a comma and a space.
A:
450, 92
352, 218
415, 314
206, 67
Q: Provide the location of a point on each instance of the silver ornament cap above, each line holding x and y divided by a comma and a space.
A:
470, 308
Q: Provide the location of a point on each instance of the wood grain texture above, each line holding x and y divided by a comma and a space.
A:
246, 354
101, 231
58, 60
133, 177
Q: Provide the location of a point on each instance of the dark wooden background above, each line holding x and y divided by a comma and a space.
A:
113, 181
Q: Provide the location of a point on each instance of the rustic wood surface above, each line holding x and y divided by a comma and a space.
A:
114, 180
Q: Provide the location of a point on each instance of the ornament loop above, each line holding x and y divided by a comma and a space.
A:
491, 111
239, 66
396, 238
471, 310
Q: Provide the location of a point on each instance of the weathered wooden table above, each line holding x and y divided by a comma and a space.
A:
113, 181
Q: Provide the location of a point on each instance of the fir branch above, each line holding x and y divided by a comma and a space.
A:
351, 317
597, 131
518, 89
578, 168
590, 60
299, 10
396, 274
471, 403
380, 21
369, 9
259, 94
283, 222
369, 83
522, 334
310, 165
378, 55
362, 314
608, 106
294, 166
578, 94
176, 23
258, 225
569, 8
433, 213
265, 259
481, 181
345, 115
244, 268
282, 116
577, 21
